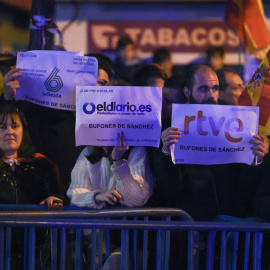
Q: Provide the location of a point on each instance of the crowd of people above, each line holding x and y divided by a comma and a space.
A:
53, 171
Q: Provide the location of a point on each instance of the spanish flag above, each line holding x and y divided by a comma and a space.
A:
247, 18
257, 93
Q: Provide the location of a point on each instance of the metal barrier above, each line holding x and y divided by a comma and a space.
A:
221, 248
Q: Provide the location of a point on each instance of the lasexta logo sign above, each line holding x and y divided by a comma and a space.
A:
54, 82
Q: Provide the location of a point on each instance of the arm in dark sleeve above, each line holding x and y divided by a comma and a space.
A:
261, 201
50, 180
167, 180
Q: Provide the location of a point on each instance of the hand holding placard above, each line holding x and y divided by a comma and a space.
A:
169, 136
260, 146
11, 84
121, 148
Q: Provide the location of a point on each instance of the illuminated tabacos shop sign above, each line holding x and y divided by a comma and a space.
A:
177, 36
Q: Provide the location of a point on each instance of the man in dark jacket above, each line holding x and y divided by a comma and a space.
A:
206, 191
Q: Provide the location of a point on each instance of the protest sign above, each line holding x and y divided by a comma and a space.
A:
214, 134
104, 111
50, 78
186, 40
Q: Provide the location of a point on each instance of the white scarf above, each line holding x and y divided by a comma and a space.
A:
11, 161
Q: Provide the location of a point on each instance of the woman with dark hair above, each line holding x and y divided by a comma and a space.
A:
26, 177
111, 175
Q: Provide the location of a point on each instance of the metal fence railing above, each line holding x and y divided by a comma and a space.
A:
83, 239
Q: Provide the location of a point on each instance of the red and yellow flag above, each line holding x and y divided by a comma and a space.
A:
257, 93
247, 18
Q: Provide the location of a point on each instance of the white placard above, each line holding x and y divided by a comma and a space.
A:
50, 78
214, 134
104, 111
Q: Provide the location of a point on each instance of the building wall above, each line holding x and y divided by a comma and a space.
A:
14, 29
76, 33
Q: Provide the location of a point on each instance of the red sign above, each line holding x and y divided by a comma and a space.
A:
177, 36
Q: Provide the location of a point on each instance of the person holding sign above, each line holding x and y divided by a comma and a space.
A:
52, 130
203, 190
202, 88
111, 175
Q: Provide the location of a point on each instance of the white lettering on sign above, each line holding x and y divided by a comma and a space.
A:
100, 35
105, 36
182, 37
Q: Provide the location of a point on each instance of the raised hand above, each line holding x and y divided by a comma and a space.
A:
11, 84
121, 148
260, 146
170, 136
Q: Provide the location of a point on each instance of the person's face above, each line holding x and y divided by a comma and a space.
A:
234, 89
155, 81
205, 89
103, 78
216, 61
11, 133
127, 53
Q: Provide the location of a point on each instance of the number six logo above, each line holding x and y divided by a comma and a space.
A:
86, 110
54, 83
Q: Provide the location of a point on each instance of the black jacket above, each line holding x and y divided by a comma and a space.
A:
52, 132
204, 191
32, 181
